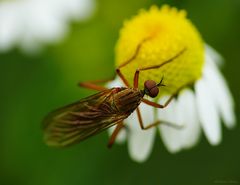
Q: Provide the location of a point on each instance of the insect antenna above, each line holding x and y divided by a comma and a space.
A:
161, 82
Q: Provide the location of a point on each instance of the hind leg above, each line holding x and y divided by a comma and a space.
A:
115, 133
143, 127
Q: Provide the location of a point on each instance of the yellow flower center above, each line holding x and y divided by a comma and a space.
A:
169, 32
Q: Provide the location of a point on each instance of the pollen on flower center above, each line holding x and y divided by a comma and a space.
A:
169, 32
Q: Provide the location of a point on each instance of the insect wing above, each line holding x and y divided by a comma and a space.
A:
80, 120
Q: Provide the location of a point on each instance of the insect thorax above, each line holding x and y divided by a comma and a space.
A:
127, 100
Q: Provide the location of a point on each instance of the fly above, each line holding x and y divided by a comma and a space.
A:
78, 121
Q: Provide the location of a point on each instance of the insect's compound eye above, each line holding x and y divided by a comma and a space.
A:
154, 92
149, 84
151, 88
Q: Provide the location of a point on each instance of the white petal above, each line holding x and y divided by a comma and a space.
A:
208, 114
32, 23
187, 115
9, 25
169, 135
214, 55
76, 9
141, 141
83, 8
222, 96
180, 112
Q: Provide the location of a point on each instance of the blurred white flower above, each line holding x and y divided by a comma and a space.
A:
201, 109
32, 23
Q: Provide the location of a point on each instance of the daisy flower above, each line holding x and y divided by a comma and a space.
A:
32, 23
199, 107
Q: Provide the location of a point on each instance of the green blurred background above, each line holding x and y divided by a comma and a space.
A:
31, 86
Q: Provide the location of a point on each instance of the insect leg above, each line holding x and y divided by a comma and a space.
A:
130, 60
136, 76
135, 53
94, 84
155, 123
114, 134
156, 105
161, 106
122, 77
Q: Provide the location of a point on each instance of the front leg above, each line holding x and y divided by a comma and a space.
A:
156, 105
136, 75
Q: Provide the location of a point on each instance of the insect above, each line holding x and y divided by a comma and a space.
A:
94, 114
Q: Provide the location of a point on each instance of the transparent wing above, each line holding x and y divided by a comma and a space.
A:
80, 120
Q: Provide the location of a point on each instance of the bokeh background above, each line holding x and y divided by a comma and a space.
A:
34, 84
